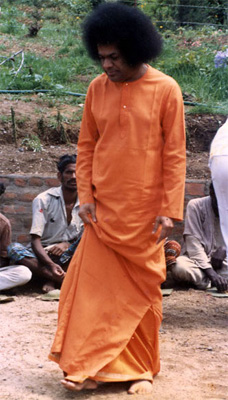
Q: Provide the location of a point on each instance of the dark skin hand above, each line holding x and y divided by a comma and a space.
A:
86, 210
43, 258
58, 249
218, 281
166, 227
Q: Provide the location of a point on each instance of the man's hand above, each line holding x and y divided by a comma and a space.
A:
86, 210
167, 227
58, 249
218, 281
57, 271
218, 257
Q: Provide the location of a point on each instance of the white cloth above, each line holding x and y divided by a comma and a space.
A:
49, 219
219, 145
14, 275
218, 163
219, 174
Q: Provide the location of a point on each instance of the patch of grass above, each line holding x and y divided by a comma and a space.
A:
32, 143
5, 118
188, 54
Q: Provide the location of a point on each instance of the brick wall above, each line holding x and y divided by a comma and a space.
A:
16, 205
16, 202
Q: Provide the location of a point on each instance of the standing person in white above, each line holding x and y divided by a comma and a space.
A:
218, 163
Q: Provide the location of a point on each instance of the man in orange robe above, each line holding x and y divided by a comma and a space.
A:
130, 174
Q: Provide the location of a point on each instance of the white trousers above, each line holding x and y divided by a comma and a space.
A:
219, 174
14, 275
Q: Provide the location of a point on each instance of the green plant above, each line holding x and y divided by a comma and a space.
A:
60, 62
41, 127
5, 118
32, 143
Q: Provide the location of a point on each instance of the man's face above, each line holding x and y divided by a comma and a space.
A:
68, 177
114, 65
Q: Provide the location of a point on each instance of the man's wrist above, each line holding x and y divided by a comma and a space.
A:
51, 265
210, 273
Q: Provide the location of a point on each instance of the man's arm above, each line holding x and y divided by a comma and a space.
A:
43, 257
87, 141
174, 154
173, 129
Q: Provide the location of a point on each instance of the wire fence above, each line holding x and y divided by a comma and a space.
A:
170, 15
185, 13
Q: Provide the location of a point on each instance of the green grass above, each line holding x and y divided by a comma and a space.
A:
56, 59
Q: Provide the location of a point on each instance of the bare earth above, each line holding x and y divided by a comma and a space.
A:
37, 116
193, 337
193, 341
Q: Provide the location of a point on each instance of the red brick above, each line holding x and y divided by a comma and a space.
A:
22, 238
20, 209
35, 181
14, 220
10, 195
4, 180
28, 197
8, 209
52, 182
194, 189
20, 182
27, 222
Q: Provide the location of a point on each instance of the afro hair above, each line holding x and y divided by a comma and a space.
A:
126, 27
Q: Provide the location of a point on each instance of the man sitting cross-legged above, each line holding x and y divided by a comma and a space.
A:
56, 228
203, 261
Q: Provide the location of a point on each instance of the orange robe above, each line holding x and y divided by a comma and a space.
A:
131, 163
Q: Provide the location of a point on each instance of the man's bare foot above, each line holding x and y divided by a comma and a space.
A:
76, 387
140, 387
48, 286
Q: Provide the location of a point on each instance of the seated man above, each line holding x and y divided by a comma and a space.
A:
10, 275
203, 263
56, 228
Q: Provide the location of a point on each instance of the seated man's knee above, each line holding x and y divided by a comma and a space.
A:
179, 269
24, 273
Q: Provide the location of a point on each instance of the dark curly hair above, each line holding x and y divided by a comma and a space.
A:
65, 160
127, 27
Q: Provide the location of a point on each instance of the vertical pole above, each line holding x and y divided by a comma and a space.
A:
14, 126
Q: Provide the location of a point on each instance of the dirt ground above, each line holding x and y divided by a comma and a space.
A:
193, 342
35, 116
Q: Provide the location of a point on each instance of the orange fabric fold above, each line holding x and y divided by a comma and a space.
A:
131, 164
101, 305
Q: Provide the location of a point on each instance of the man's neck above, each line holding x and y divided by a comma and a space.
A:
70, 197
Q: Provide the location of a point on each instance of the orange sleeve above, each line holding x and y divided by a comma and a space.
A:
174, 155
87, 141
